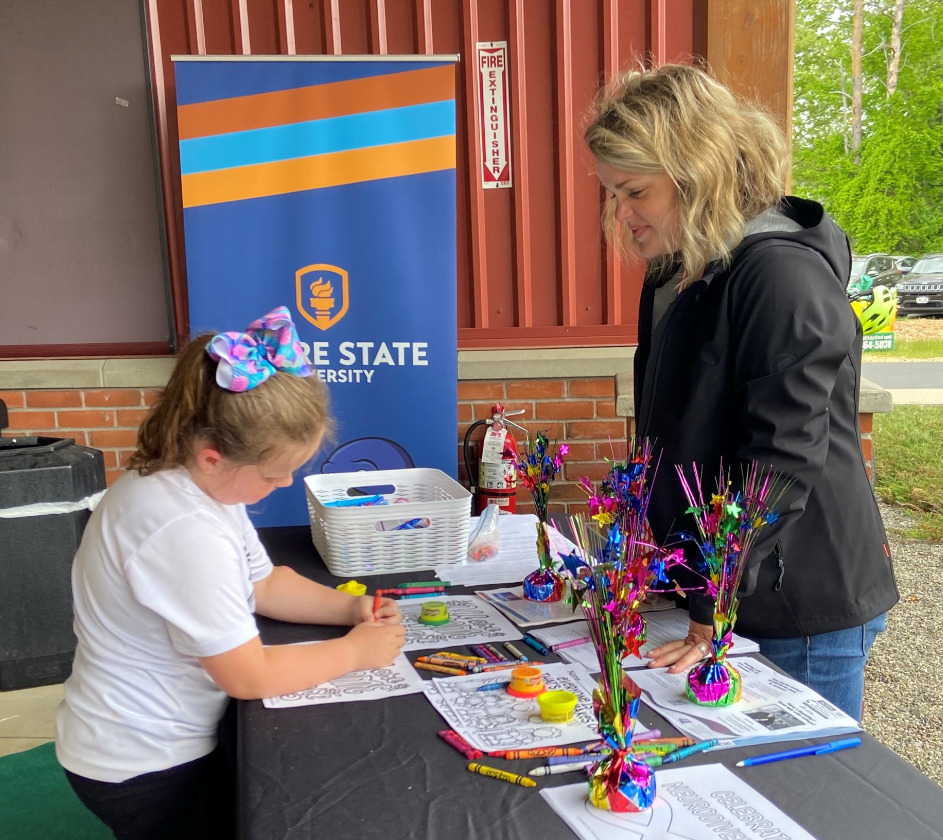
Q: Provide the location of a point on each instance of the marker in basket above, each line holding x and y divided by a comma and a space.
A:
358, 501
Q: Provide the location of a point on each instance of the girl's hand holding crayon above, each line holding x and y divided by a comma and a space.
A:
381, 611
375, 645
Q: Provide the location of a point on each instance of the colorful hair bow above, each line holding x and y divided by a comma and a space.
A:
247, 359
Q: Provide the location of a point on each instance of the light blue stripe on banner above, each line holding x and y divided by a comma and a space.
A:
317, 137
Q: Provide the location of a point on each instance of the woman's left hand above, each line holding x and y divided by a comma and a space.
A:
683, 654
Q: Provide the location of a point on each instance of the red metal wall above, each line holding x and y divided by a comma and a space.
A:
532, 268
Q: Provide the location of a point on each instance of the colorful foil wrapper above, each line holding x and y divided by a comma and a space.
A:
622, 783
636, 633
713, 683
544, 585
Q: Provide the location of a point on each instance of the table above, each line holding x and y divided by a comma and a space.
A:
363, 770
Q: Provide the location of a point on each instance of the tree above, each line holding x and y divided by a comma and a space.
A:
885, 189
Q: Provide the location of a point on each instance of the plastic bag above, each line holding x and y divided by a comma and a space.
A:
483, 542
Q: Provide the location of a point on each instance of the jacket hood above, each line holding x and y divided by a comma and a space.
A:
818, 232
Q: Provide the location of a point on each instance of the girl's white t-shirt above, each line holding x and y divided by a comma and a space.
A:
163, 576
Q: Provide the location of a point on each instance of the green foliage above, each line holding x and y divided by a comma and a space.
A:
889, 195
912, 350
908, 467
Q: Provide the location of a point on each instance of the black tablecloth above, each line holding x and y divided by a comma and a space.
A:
376, 769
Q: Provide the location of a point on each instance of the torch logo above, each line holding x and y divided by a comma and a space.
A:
321, 294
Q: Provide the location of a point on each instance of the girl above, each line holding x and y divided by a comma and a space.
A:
169, 574
748, 351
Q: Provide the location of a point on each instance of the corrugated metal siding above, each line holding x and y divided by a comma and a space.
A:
532, 268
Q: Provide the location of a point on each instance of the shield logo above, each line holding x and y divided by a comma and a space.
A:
321, 294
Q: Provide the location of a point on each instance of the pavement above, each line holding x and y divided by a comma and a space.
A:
909, 383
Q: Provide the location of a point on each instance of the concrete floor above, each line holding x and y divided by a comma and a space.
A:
28, 717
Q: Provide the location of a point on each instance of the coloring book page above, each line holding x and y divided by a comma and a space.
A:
398, 678
471, 622
690, 803
494, 720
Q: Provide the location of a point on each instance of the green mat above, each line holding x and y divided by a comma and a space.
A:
37, 803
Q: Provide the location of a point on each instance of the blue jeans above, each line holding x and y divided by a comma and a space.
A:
831, 664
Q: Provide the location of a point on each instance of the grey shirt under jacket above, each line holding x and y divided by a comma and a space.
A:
761, 360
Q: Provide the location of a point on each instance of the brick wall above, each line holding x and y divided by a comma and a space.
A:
580, 412
103, 418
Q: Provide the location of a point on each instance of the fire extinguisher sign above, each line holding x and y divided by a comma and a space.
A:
493, 104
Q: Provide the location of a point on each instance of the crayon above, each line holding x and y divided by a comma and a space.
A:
500, 656
481, 650
420, 583
553, 769
492, 687
414, 590
500, 666
515, 652
684, 752
540, 647
453, 739
376, 602
447, 662
541, 752
568, 643
440, 669
571, 759
503, 775
475, 660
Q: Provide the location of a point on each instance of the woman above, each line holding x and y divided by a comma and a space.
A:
748, 351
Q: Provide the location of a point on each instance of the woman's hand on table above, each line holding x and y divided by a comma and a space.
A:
682, 654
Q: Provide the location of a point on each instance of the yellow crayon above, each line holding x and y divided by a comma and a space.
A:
503, 775
450, 655
425, 666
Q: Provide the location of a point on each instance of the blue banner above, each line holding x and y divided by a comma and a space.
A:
329, 187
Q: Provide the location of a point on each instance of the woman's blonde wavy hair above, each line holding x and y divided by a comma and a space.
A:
246, 428
727, 157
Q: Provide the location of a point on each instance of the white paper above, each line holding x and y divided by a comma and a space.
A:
471, 622
398, 678
707, 801
663, 626
773, 707
494, 720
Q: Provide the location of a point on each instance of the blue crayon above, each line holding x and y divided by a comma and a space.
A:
541, 648
571, 759
492, 686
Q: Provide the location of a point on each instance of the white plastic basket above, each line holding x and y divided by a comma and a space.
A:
363, 540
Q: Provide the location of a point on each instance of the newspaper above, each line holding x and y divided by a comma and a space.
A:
773, 707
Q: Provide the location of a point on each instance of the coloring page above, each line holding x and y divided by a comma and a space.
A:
494, 720
399, 678
471, 621
690, 803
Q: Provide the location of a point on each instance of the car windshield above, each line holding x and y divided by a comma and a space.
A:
928, 265
857, 266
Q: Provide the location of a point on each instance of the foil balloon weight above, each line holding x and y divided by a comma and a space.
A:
727, 526
715, 682
609, 575
538, 466
544, 584
620, 782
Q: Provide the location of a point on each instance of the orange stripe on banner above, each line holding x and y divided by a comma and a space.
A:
316, 102
319, 171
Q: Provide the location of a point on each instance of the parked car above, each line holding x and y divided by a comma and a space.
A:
904, 264
921, 291
872, 270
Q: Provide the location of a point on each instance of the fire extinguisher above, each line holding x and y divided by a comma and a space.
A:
497, 474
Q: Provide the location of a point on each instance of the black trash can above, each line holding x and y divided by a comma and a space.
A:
47, 486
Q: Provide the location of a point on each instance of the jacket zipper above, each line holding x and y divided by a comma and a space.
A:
781, 563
